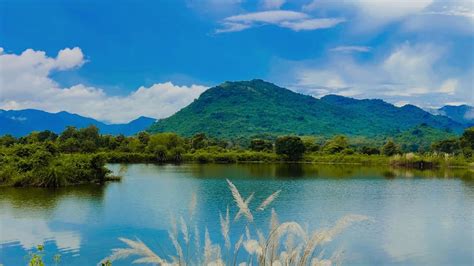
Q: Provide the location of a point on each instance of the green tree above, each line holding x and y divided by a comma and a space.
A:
69, 132
7, 140
47, 135
390, 148
291, 146
451, 146
336, 144
310, 143
199, 141
70, 145
467, 142
143, 137
369, 150
261, 145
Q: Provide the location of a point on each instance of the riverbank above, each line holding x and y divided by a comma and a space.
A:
409, 160
44, 159
42, 166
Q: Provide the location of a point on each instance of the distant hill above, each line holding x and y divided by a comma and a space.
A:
23, 122
248, 108
462, 113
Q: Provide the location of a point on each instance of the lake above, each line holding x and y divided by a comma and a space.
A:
417, 217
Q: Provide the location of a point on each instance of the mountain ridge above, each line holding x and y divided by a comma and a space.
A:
246, 108
461, 113
23, 122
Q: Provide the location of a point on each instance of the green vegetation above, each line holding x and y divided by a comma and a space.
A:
290, 146
78, 156
37, 258
248, 108
286, 243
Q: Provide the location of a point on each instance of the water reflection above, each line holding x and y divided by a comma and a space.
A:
421, 217
46, 200
310, 171
33, 216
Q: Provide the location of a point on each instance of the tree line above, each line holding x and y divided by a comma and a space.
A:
79, 155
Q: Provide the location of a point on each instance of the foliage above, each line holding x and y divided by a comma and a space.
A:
450, 146
37, 258
467, 142
261, 145
390, 148
420, 138
336, 145
290, 146
39, 164
369, 150
78, 156
248, 108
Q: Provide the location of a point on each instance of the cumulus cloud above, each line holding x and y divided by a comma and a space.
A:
408, 74
26, 83
349, 49
293, 20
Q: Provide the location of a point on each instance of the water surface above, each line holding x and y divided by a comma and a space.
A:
419, 217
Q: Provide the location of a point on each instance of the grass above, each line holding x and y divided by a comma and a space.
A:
287, 243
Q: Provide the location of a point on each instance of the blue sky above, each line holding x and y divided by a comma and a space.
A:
116, 60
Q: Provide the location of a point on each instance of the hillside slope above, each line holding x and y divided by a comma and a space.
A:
248, 108
463, 113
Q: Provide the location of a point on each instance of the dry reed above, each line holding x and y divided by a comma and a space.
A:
285, 244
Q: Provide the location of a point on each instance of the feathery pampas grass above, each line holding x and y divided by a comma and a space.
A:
286, 243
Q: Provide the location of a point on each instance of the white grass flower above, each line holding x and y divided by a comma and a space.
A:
135, 248
240, 212
241, 204
268, 200
225, 227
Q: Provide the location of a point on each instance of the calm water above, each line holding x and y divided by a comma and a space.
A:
419, 218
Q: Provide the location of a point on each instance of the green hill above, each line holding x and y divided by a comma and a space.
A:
248, 108
420, 138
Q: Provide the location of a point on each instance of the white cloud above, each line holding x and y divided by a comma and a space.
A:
353, 48
69, 58
449, 86
388, 10
26, 83
371, 15
272, 17
408, 74
312, 24
454, 8
293, 20
272, 4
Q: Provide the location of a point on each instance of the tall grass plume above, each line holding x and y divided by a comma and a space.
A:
287, 243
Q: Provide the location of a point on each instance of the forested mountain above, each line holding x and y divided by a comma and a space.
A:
23, 122
462, 113
253, 107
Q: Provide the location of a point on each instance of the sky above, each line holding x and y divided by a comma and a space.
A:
118, 60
